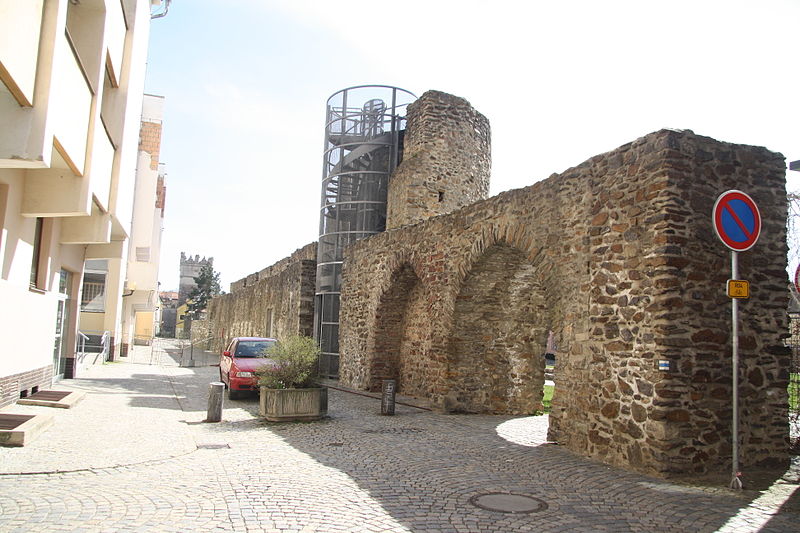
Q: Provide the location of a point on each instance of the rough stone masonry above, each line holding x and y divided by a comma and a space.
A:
618, 257
277, 301
446, 160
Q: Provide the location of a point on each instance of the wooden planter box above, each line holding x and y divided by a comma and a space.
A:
284, 405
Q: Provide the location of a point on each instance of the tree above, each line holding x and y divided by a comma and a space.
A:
207, 287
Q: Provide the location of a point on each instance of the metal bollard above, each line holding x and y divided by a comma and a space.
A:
215, 392
190, 362
387, 396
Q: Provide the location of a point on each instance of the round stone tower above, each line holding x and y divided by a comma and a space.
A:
446, 160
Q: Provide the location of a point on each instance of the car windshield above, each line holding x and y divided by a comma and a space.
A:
253, 348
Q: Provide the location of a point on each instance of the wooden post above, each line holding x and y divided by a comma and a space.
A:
215, 392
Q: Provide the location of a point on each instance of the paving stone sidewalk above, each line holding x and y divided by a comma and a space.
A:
135, 455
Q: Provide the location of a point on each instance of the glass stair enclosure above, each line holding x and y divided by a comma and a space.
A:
363, 135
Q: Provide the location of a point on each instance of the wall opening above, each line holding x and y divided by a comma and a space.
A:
497, 345
401, 341
268, 323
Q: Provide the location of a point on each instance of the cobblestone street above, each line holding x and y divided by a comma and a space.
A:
135, 455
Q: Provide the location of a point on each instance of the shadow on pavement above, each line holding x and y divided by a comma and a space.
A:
440, 463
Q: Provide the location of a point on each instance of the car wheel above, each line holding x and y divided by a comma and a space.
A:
234, 394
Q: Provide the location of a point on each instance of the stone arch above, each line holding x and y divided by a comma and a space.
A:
401, 334
498, 335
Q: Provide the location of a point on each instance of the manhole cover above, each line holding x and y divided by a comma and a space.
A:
503, 502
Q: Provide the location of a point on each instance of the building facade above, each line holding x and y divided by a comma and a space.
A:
71, 95
140, 299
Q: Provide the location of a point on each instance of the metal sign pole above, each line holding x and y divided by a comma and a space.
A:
736, 482
737, 222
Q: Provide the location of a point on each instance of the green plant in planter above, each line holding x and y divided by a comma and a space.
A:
295, 364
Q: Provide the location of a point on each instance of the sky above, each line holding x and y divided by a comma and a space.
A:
246, 82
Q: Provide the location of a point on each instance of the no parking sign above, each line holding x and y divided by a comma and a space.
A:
737, 223
737, 220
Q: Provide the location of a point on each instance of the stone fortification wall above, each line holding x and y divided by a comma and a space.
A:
446, 160
203, 335
306, 253
277, 305
618, 258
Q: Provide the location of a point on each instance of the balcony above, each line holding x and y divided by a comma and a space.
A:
72, 104
20, 29
115, 39
102, 164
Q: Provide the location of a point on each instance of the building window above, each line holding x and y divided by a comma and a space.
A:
93, 293
3, 203
143, 254
64, 280
42, 237
36, 277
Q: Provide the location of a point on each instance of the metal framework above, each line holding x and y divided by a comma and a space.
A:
363, 139
794, 376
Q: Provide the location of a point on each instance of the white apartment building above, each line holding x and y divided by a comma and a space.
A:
72, 74
139, 314
140, 300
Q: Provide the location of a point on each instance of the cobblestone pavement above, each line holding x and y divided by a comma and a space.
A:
135, 455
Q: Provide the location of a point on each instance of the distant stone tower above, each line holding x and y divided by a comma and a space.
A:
190, 269
446, 160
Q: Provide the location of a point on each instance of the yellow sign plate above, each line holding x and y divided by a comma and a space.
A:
738, 288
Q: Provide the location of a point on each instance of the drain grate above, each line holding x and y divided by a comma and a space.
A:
49, 395
13, 421
212, 446
394, 430
505, 502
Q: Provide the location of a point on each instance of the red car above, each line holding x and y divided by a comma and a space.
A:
240, 360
